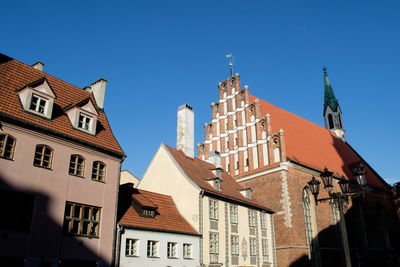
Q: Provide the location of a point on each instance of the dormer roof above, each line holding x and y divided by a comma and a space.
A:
15, 76
46, 89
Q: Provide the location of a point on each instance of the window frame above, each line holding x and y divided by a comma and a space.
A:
43, 153
81, 124
233, 214
263, 220
253, 246
252, 218
131, 247
234, 245
214, 243
96, 175
187, 251
172, 250
4, 144
70, 219
213, 209
152, 249
40, 100
76, 164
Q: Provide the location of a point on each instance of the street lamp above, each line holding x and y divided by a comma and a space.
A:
326, 177
359, 173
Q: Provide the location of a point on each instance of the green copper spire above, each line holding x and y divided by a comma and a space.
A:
330, 99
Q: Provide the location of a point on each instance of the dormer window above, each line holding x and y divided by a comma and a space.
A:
84, 122
37, 97
148, 212
248, 193
38, 104
217, 184
83, 116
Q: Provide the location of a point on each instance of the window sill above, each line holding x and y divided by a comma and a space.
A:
79, 176
7, 158
103, 182
154, 257
187, 258
172, 258
86, 236
43, 167
132, 256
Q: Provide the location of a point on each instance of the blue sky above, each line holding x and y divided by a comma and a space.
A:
157, 55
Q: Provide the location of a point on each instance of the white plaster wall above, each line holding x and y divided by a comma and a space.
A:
164, 176
163, 238
127, 177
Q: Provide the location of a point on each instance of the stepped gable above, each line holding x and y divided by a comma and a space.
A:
167, 216
15, 75
199, 172
314, 146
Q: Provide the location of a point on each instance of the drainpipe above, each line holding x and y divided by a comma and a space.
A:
114, 251
120, 231
201, 195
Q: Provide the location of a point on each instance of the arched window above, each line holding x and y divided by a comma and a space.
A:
310, 225
77, 165
330, 121
7, 146
43, 156
99, 171
340, 121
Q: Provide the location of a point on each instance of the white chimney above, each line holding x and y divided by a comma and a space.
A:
98, 89
38, 65
185, 130
214, 157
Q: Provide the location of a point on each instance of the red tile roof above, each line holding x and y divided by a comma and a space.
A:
314, 146
199, 172
15, 75
167, 218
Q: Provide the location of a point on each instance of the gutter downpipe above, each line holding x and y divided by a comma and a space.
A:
120, 231
201, 195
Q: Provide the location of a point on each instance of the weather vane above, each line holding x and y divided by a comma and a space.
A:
230, 62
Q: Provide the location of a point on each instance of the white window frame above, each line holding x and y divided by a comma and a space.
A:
213, 206
263, 220
253, 246
187, 251
131, 247
214, 243
152, 249
265, 252
235, 245
252, 218
234, 214
37, 107
171, 250
86, 123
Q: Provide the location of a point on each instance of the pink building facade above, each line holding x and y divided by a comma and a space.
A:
59, 171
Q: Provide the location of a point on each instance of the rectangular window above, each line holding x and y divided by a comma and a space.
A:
263, 219
7, 145
132, 247
152, 248
252, 218
235, 245
84, 122
98, 172
234, 213
171, 250
81, 220
37, 104
43, 156
187, 251
76, 165
214, 243
213, 209
265, 249
253, 247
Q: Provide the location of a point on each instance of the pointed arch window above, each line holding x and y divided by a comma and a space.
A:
7, 146
310, 225
330, 121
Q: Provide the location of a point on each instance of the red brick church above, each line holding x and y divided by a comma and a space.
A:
332, 208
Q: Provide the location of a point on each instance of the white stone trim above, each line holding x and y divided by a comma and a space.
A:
282, 167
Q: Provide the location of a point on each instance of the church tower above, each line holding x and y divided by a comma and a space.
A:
332, 112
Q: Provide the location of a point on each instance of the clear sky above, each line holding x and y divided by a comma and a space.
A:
157, 55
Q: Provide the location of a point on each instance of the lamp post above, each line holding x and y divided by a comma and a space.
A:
336, 198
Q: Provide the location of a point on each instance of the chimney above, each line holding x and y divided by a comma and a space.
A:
38, 65
185, 130
214, 157
98, 89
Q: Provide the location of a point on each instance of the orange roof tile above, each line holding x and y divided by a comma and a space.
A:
314, 146
15, 75
167, 218
199, 172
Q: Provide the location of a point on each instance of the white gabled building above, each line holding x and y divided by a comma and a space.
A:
235, 230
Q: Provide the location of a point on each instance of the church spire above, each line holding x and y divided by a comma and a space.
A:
332, 113
330, 99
